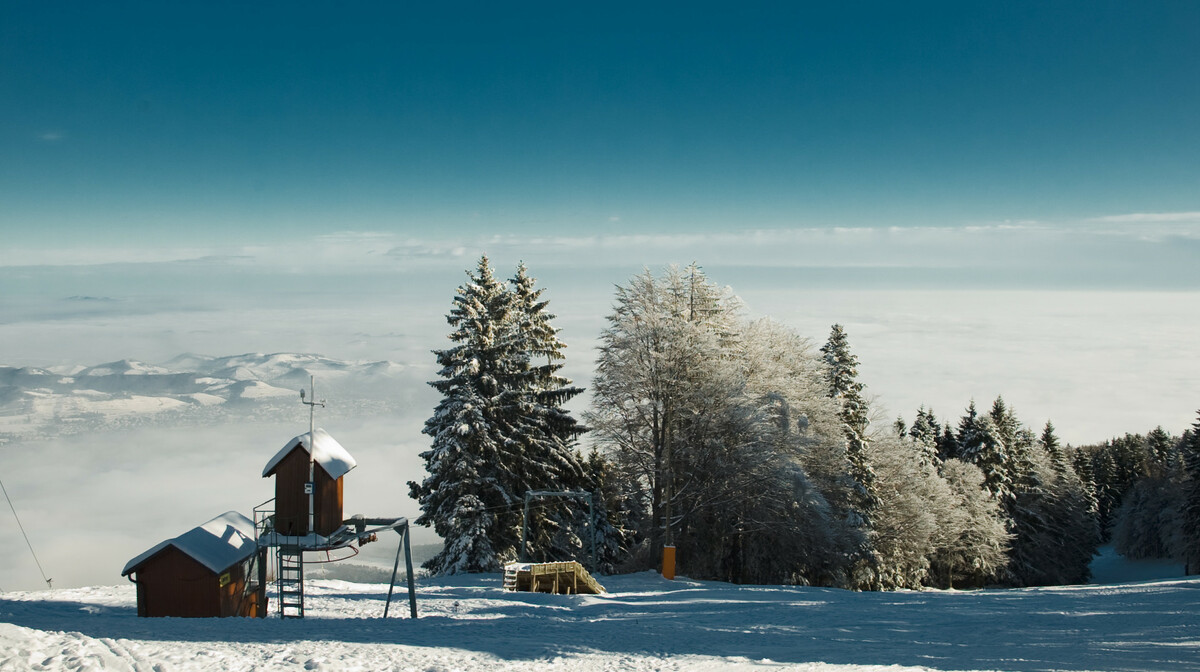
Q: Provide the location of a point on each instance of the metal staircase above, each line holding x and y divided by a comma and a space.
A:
289, 581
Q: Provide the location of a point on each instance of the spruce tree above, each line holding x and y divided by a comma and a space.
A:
924, 432
544, 430
947, 444
1159, 447
1191, 505
500, 430
1052, 447
844, 388
471, 495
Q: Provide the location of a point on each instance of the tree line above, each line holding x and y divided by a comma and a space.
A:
751, 451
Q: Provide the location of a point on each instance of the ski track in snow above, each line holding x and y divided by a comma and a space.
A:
645, 623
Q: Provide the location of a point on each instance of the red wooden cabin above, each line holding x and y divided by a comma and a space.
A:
290, 468
200, 573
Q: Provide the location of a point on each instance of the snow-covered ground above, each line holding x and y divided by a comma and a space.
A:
644, 623
1108, 567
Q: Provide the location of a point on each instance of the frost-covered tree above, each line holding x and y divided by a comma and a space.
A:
712, 421
660, 358
971, 547
905, 524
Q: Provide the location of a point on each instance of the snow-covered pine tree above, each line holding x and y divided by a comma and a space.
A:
474, 453
614, 515
968, 433
981, 443
846, 390
535, 392
924, 433
1191, 507
1053, 448
947, 443
1159, 449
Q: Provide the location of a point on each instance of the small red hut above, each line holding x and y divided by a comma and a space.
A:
200, 573
290, 467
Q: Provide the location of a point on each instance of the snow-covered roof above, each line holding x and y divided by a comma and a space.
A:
218, 544
326, 451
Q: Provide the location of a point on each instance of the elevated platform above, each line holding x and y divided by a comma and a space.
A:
562, 578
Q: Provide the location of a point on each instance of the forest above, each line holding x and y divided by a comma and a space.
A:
753, 451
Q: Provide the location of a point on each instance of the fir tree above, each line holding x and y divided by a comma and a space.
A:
947, 444
844, 388
470, 496
1052, 447
500, 429
1191, 506
545, 432
983, 445
1159, 449
924, 433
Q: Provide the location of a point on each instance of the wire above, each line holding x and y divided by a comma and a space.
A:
49, 582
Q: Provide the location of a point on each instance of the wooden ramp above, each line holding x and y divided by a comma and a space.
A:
563, 578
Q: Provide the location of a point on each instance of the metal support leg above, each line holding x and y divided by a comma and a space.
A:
395, 568
412, 591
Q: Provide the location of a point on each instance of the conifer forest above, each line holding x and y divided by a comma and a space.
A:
755, 452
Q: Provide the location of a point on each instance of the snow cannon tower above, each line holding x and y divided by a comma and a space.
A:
299, 485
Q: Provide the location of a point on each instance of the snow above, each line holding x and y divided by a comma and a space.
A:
218, 544
255, 389
469, 623
326, 451
1109, 567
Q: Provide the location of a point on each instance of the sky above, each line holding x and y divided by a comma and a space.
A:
994, 198
135, 125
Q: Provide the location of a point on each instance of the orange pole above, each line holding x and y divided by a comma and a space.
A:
668, 563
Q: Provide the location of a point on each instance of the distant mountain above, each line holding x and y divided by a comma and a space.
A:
50, 401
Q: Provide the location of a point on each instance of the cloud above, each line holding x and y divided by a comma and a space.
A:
1003, 254
52, 136
1149, 218
354, 237
91, 299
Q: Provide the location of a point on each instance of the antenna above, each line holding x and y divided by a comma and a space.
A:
311, 486
312, 405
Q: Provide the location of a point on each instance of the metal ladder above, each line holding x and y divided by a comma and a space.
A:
289, 581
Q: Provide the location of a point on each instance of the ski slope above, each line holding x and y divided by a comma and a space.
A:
643, 623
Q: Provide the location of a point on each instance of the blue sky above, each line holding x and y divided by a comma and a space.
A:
231, 177
160, 124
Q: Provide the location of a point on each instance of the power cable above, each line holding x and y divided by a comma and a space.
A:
49, 582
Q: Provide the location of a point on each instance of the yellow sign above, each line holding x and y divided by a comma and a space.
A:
225, 579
